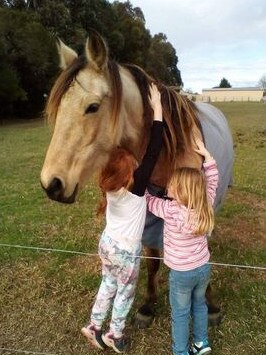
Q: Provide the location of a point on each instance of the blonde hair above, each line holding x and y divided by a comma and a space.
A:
188, 186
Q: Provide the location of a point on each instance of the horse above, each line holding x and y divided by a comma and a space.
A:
97, 104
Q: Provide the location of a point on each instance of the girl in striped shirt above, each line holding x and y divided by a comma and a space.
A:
188, 219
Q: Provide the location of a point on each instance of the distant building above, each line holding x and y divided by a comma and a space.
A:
232, 94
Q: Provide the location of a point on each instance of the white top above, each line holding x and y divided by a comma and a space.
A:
125, 218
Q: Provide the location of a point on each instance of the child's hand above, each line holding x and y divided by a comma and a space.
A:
155, 101
202, 149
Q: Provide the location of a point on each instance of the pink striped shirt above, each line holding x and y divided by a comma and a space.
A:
182, 250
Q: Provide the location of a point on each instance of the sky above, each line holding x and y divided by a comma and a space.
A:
213, 39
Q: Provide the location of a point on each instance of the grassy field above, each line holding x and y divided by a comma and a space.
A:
45, 297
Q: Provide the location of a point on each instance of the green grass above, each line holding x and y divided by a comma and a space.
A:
247, 121
45, 297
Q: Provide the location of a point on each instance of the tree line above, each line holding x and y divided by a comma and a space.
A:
28, 56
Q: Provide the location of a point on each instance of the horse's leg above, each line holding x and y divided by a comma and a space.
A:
153, 266
145, 314
214, 311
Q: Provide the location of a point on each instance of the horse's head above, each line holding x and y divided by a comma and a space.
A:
95, 105
83, 106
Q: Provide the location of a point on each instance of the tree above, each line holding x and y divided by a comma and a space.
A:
28, 61
136, 45
162, 61
27, 38
15, 4
54, 16
262, 82
224, 83
135, 37
10, 90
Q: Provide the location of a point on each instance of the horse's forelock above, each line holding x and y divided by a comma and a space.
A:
67, 76
61, 85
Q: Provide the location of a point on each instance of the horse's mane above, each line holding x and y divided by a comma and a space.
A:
179, 113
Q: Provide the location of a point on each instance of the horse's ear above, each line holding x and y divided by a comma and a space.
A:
96, 51
66, 54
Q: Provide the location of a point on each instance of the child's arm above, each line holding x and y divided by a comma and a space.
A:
212, 178
143, 172
157, 206
210, 168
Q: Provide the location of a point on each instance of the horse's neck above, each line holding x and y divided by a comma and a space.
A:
132, 138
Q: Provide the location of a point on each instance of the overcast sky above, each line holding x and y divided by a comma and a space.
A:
213, 39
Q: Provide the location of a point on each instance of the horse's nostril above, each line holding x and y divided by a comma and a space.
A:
56, 184
54, 189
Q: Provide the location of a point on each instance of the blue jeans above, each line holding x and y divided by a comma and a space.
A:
187, 298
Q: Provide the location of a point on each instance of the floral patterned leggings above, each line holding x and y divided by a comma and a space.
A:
120, 270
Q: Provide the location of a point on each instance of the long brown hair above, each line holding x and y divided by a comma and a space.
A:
117, 173
188, 186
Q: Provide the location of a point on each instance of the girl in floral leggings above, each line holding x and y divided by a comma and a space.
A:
123, 183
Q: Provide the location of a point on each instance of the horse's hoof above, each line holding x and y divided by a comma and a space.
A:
144, 317
142, 321
214, 319
212, 308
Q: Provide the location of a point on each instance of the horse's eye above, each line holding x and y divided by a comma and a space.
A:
92, 108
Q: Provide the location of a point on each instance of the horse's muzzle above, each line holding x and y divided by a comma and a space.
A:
55, 191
